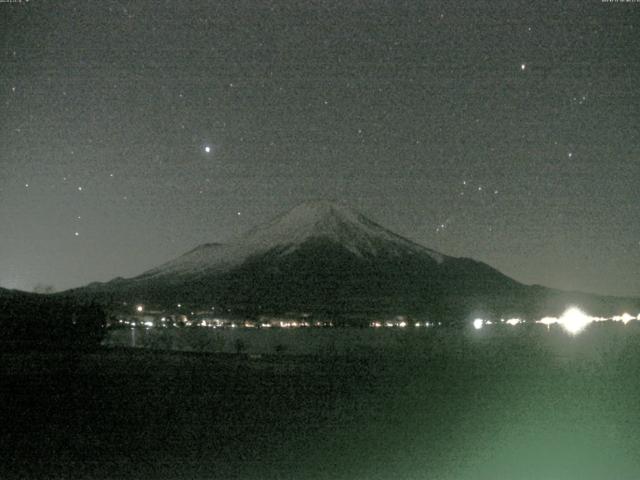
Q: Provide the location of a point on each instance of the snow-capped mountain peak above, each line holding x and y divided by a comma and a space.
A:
328, 221
321, 220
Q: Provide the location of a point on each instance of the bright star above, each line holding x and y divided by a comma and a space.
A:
207, 149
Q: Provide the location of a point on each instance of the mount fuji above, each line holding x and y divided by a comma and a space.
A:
325, 258
287, 234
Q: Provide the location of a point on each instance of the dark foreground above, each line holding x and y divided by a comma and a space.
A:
506, 406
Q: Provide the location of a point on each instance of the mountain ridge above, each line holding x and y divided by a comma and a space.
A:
324, 257
288, 231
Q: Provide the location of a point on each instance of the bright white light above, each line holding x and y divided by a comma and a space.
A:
207, 149
574, 320
548, 321
139, 308
523, 66
514, 321
478, 323
626, 318
149, 324
402, 324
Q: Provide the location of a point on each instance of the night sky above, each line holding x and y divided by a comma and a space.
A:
505, 131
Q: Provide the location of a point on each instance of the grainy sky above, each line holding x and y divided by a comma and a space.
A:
505, 131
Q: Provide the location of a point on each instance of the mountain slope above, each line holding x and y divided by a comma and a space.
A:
287, 233
320, 256
324, 258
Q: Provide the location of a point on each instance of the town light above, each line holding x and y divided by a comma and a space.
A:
548, 321
574, 320
478, 323
626, 318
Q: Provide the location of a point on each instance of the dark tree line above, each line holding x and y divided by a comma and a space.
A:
39, 321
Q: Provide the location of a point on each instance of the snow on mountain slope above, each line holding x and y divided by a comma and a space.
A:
322, 220
330, 221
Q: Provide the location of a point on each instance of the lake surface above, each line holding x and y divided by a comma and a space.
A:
517, 404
